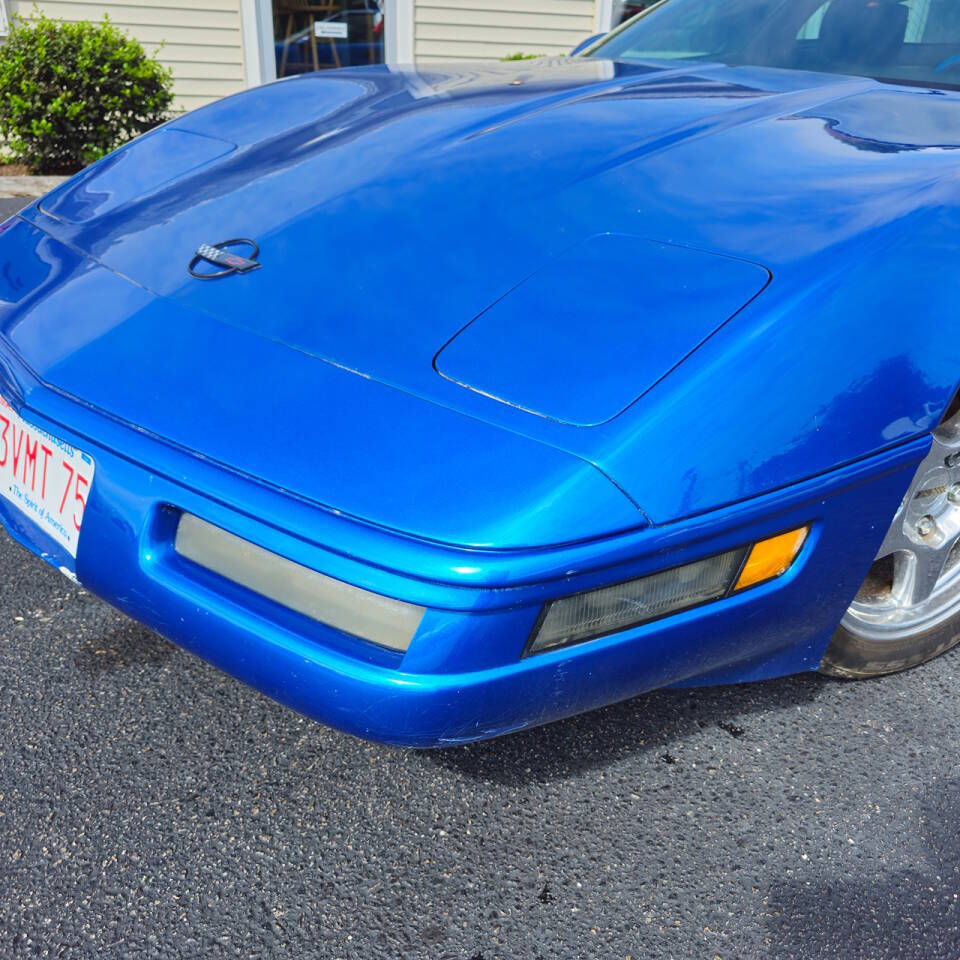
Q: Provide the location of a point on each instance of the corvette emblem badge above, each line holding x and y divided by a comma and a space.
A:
219, 255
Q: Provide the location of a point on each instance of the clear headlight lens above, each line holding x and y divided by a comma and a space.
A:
382, 620
596, 613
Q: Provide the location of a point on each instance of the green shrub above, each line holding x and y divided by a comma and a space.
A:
71, 92
520, 56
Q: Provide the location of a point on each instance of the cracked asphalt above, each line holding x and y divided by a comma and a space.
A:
152, 807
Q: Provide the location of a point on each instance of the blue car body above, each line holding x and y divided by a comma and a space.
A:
623, 317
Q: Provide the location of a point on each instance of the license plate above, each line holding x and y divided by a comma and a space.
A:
46, 478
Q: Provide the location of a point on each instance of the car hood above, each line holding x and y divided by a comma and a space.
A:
428, 230
279, 417
392, 209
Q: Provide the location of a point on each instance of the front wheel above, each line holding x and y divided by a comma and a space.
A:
908, 609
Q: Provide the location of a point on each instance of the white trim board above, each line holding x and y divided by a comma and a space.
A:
259, 59
398, 16
608, 15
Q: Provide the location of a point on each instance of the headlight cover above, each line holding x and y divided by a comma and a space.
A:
596, 613
381, 620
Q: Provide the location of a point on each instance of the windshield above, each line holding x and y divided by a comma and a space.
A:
911, 41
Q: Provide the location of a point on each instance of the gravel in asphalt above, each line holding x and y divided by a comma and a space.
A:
152, 807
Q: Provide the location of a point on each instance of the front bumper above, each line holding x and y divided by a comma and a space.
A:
464, 677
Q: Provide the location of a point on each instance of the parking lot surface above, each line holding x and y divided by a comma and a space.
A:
10, 205
150, 806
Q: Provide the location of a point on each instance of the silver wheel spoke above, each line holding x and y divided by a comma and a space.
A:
896, 541
914, 584
916, 574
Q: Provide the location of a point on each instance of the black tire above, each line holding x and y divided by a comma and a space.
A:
856, 657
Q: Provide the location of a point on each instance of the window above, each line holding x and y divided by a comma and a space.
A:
914, 41
928, 21
320, 34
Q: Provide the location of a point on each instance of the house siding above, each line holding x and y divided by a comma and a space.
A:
200, 40
492, 29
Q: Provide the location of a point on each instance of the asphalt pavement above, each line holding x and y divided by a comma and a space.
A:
152, 807
10, 205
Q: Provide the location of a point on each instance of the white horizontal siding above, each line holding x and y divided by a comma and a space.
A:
199, 40
202, 40
493, 29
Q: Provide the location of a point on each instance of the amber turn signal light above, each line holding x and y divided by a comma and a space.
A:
771, 558
622, 606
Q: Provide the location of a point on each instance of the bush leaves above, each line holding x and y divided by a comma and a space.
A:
72, 92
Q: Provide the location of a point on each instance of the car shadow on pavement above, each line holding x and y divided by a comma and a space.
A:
128, 645
654, 723
913, 911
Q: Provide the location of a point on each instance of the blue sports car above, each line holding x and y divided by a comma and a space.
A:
654, 381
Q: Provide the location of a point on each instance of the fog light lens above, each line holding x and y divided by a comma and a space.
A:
595, 613
370, 616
